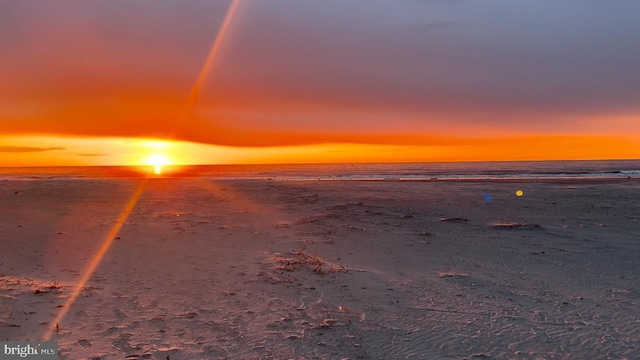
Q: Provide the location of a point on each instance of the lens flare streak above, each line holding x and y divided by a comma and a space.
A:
214, 53
97, 259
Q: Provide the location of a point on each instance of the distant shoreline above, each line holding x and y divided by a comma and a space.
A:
479, 171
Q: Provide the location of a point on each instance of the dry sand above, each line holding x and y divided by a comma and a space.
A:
260, 269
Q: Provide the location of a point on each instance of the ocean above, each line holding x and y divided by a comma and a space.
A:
345, 172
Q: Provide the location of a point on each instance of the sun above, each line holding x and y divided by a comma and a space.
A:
158, 161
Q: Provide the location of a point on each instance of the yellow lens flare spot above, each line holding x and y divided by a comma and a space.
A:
158, 161
519, 193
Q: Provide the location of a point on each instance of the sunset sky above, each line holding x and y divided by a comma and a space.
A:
104, 82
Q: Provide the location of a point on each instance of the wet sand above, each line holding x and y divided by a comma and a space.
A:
259, 269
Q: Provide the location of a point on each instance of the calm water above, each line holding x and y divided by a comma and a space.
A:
402, 171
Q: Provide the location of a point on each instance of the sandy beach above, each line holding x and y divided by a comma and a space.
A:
266, 269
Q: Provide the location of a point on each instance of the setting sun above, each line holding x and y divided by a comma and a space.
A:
158, 161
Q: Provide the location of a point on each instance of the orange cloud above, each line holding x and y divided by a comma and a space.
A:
25, 149
309, 74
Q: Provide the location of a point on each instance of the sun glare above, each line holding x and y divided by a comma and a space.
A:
158, 161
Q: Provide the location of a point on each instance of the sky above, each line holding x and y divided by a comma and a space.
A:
258, 81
